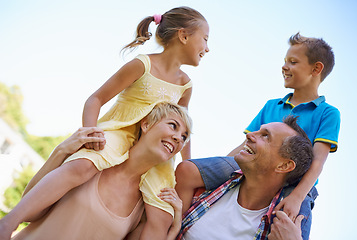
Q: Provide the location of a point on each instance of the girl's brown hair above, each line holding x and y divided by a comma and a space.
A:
171, 21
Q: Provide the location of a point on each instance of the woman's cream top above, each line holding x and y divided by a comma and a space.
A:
81, 214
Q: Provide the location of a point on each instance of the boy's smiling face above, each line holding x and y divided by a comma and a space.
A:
297, 71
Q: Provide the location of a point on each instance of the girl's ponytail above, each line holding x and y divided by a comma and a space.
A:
142, 33
168, 25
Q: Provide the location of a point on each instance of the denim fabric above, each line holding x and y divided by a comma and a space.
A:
217, 170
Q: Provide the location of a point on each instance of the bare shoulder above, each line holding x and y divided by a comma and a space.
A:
134, 67
184, 78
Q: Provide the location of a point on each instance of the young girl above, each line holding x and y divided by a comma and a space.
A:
142, 83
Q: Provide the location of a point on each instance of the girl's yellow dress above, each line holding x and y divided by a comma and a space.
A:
121, 128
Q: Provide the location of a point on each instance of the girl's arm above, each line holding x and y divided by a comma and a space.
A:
122, 79
60, 153
292, 203
185, 99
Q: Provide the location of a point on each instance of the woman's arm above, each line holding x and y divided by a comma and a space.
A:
169, 195
63, 150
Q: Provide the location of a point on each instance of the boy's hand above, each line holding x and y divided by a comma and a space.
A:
290, 205
95, 145
284, 228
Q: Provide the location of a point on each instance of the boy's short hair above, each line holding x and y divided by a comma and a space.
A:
164, 109
317, 51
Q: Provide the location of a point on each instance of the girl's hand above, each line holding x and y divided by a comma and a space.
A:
170, 195
283, 228
96, 145
80, 137
290, 205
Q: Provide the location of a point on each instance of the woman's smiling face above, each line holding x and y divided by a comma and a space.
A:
167, 136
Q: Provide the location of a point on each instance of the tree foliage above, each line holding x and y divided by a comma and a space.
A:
11, 100
44, 145
11, 108
14, 192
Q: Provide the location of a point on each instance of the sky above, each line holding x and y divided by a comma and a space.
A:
60, 52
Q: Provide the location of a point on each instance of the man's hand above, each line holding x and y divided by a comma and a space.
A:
82, 136
290, 205
283, 228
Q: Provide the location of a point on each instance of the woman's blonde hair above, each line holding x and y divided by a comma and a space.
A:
163, 110
171, 21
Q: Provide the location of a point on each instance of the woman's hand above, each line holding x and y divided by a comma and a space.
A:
61, 152
82, 136
95, 145
170, 195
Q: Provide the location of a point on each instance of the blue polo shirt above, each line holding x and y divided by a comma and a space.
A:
318, 119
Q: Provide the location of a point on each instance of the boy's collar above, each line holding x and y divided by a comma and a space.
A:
317, 101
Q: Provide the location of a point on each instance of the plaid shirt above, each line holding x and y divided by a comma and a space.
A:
203, 203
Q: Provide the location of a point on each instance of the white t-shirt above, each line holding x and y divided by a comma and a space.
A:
226, 219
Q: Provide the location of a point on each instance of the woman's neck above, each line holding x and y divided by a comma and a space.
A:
140, 160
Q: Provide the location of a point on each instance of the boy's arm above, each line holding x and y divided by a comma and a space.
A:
291, 204
63, 150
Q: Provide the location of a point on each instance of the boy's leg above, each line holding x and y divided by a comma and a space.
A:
204, 172
48, 191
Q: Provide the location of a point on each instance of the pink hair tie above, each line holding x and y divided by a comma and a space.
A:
157, 18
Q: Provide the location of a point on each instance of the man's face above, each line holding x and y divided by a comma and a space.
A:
261, 150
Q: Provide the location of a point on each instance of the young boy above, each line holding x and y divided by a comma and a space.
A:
308, 61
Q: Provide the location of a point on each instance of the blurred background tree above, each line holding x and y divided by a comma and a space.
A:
11, 111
